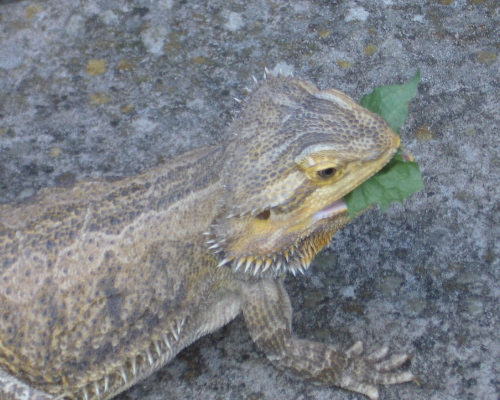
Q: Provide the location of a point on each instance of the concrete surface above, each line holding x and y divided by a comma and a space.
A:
91, 88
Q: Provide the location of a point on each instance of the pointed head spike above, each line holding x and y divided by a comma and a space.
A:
267, 265
239, 264
256, 270
248, 264
258, 264
223, 262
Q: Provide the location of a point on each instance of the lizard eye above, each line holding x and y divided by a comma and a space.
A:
326, 173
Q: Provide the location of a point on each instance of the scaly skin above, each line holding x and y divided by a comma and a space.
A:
103, 283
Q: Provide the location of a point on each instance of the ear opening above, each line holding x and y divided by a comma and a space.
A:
264, 215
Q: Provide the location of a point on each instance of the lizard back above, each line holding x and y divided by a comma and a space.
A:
89, 273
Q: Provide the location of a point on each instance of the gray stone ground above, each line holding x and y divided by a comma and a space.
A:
91, 88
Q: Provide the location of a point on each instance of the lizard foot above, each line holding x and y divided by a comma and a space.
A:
364, 373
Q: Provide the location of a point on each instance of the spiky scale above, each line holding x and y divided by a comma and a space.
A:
248, 264
123, 375
97, 390
174, 332
268, 263
134, 366
149, 357
167, 342
223, 262
239, 263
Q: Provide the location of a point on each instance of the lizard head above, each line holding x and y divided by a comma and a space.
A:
297, 151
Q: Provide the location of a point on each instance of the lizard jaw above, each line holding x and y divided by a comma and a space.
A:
295, 258
333, 209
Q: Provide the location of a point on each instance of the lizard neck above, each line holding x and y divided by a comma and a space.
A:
187, 194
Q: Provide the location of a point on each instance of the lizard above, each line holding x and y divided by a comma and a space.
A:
105, 281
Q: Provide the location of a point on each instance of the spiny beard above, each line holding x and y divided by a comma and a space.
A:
295, 259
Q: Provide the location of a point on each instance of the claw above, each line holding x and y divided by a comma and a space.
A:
367, 389
366, 372
356, 349
392, 379
379, 354
391, 363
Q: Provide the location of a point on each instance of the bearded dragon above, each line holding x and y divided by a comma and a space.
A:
104, 282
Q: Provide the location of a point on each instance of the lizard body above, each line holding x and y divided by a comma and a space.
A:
104, 282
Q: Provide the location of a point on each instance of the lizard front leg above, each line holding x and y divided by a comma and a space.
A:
268, 313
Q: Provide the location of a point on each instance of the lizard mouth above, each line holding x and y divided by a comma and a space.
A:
332, 210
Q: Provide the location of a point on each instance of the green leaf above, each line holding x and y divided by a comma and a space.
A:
391, 101
400, 178
397, 181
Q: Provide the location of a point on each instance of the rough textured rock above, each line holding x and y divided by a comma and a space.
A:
116, 87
